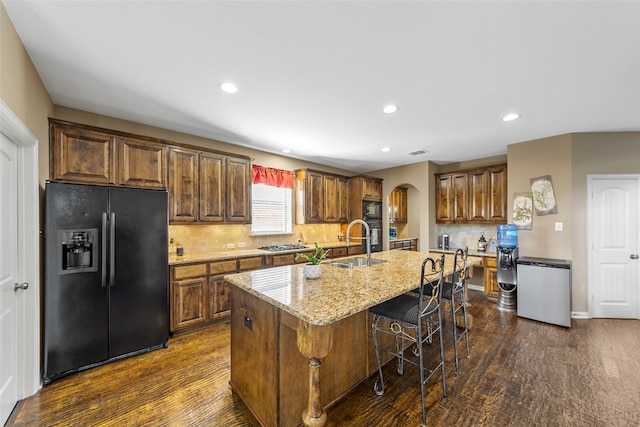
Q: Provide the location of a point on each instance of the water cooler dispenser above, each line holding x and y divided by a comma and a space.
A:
507, 255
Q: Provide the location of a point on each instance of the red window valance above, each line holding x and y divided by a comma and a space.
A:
273, 177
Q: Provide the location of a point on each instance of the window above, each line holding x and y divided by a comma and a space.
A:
271, 209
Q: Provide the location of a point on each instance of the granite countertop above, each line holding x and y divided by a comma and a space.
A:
472, 252
245, 253
339, 292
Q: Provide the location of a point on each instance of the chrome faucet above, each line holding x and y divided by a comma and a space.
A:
367, 237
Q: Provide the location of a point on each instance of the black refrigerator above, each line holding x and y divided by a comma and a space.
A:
106, 278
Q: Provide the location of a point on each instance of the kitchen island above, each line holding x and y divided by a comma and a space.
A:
283, 325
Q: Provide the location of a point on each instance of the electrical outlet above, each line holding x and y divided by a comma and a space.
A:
231, 245
242, 245
559, 226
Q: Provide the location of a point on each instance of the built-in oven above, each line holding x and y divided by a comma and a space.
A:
371, 210
375, 232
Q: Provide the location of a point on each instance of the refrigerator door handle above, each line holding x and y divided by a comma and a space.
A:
104, 250
112, 250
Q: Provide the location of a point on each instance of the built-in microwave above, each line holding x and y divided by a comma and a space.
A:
371, 210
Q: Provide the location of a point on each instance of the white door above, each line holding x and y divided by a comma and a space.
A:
614, 248
8, 277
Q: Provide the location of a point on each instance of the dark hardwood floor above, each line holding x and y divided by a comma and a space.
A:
520, 373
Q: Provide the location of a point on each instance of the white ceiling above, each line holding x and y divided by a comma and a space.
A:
313, 76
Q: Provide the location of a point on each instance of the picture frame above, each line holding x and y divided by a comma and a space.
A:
523, 210
544, 199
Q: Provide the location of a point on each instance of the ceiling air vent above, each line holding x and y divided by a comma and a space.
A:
418, 152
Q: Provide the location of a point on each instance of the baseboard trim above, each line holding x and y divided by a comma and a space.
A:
580, 315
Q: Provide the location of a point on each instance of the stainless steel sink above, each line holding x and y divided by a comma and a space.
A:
356, 262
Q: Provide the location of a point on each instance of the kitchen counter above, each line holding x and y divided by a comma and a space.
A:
338, 293
472, 252
245, 253
285, 327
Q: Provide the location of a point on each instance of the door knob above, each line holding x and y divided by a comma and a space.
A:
22, 286
634, 256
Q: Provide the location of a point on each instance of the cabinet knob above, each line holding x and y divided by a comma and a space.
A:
633, 256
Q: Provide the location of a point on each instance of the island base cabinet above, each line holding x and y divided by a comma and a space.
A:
271, 375
254, 357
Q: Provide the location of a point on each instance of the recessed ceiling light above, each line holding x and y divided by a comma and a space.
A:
228, 87
386, 149
510, 117
390, 109
286, 150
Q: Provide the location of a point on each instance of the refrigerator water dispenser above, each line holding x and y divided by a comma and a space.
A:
78, 251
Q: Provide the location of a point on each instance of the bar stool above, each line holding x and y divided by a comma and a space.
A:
455, 289
413, 311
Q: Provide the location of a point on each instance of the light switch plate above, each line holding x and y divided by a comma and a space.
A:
559, 226
231, 245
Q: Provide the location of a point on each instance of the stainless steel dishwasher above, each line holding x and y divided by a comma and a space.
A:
544, 290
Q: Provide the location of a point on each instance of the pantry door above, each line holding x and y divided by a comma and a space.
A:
613, 275
8, 277
19, 263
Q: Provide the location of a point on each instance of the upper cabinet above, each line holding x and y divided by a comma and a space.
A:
398, 205
473, 196
88, 155
204, 185
208, 187
367, 187
321, 197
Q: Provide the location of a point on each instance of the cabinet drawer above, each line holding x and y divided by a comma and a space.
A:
338, 252
194, 270
278, 260
221, 267
253, 263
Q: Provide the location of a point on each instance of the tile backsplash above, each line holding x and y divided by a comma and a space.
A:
461, 236
210, 238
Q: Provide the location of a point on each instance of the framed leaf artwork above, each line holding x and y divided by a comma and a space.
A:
523, 210
543, 198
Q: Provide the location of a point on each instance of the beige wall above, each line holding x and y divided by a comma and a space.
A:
22, 90
569, 159
595, 153
531, 159
416, 178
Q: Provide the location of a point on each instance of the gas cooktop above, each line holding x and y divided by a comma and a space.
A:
285, 247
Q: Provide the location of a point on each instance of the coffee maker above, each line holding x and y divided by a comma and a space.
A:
507, 275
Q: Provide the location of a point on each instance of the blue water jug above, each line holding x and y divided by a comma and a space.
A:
507, 236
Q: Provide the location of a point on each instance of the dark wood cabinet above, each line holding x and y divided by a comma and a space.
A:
189, 291
470, 197
142, 164
497, 194
404, 244
371, 188
88, 155
208, 187
79, 154
342, 199
398, 205
491, 288
321, 197
184, 192
238, 190
212, 195
199, 294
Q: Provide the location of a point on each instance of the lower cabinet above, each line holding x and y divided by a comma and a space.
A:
490, 265
404, 244
200, 295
